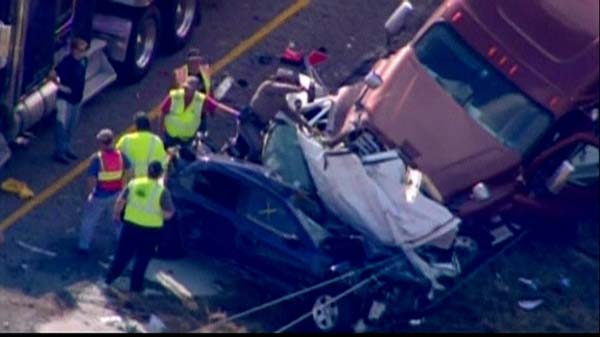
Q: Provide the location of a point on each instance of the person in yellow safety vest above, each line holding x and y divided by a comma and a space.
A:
142, 146
183, 111
107, 174
196, 66
147, 203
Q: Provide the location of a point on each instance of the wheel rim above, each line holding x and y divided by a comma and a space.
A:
184, 17
145, 42
325, 315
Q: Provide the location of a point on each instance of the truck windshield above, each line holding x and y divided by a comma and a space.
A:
486, 95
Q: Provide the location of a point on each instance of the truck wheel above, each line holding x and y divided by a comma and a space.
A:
180, 17
142, 46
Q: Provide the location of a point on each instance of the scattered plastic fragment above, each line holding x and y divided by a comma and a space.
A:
416, 321
528, 282
36, 249
155, 325
530, 304
111, 320
565, 282
377, 309
15, 186
360, 326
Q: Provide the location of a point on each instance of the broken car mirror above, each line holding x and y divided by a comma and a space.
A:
396, 21
373, 80
560, 177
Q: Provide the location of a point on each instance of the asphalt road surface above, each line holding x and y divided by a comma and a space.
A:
37, 288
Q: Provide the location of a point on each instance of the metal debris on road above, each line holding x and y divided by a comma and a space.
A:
36, 249
530, 304
528, 282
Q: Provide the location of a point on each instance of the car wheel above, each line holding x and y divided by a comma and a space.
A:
142, 46
180, 18
328, 315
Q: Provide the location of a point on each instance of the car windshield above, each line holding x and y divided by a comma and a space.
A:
486, 95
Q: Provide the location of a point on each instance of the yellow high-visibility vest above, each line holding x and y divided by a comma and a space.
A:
183, 122
141, 148
143, 203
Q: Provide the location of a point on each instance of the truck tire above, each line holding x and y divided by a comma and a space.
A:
142, 46
179, 20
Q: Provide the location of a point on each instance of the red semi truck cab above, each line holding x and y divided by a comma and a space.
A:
485, 92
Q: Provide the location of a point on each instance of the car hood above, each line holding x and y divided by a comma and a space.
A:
410, 110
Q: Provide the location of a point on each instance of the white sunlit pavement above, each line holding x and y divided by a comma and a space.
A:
96, 310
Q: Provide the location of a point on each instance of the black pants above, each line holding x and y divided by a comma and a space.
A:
135, 241
171, 141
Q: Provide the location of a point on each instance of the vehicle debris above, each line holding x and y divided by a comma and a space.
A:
530, 304
18, 187
360, 326
565, 282
528, 282
36, 249
155, 325
416, 321
377, 309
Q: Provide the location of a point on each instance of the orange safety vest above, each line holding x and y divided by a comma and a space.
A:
110, 176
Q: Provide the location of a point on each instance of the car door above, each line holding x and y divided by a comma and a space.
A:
205, 201
273, 236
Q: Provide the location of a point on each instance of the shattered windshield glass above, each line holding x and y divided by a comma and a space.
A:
486, 95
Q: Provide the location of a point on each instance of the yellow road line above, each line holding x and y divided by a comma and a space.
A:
236, 52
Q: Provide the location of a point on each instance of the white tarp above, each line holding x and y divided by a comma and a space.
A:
373, 198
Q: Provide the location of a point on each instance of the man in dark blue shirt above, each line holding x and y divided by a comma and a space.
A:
70, 77
107, 174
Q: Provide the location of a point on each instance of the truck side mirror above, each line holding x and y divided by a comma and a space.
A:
560, 177
373, 81
396, 21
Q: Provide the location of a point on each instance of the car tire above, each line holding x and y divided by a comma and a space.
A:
143, 44
338, 316
179, 20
